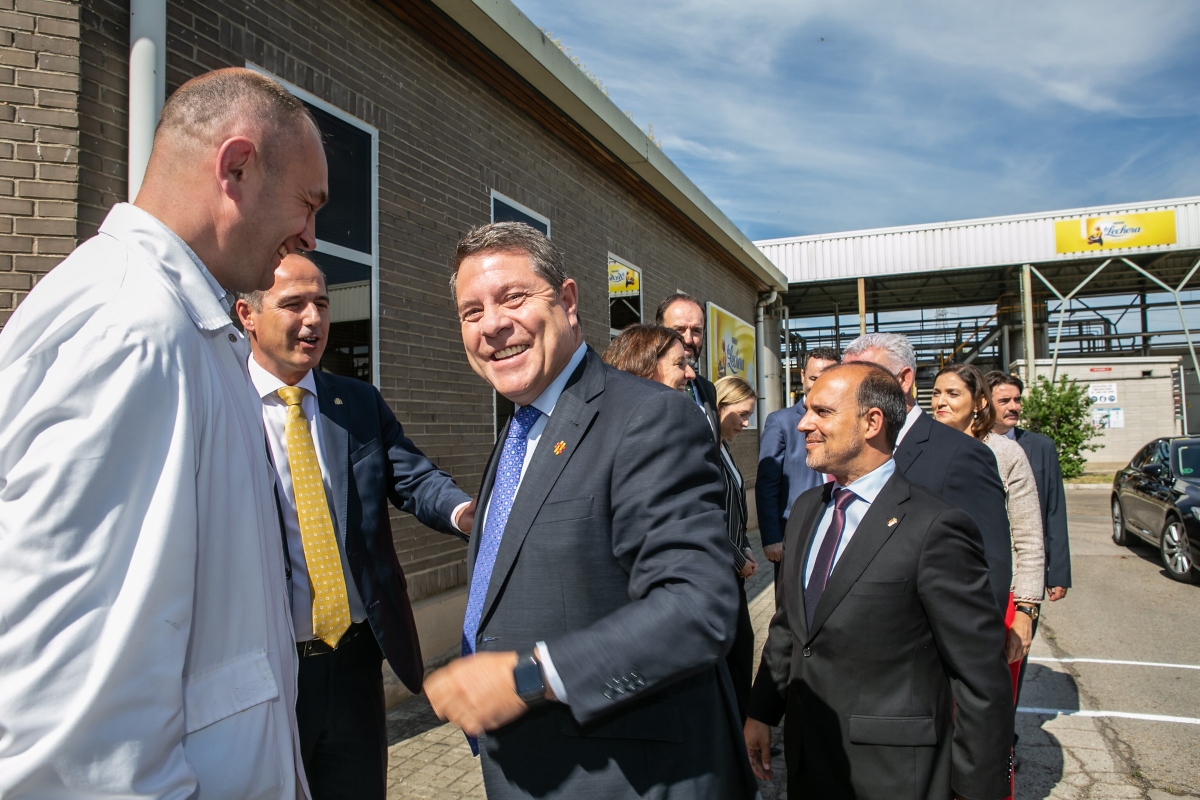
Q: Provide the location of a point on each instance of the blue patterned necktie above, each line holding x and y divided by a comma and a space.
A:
504, 491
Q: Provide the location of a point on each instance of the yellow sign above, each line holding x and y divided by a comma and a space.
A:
1114, 232
623, 280
731, 349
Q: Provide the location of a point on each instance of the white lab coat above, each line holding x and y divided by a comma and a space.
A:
146, 645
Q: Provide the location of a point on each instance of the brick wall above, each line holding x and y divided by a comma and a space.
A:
39, 141
445, 140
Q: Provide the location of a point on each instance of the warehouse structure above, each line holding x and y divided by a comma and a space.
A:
438, 115
1113, 284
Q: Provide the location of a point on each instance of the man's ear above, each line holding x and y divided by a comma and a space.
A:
570, 299
245, 315
237, 161
874, 422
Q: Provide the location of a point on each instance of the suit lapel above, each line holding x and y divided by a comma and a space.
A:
568, 424
872, 533
336, 444
914, 443
804, 534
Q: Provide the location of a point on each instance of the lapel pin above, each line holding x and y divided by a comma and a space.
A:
558, 448
337, 401
892, 521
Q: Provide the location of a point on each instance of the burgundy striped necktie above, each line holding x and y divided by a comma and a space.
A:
842, 498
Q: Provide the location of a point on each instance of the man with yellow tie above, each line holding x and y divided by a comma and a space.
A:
339, 455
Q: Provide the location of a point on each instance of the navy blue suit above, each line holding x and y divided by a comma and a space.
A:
783, 473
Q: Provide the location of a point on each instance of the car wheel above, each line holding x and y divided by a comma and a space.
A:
1176, 551
1119, 534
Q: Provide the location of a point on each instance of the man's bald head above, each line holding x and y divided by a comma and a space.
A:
211, 108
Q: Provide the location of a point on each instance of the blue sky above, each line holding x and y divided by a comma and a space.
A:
907, 112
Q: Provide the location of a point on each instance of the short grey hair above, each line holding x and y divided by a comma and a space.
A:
899, 350
511, 237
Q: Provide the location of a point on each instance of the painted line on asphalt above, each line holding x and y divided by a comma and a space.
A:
1042, 660
1062, 712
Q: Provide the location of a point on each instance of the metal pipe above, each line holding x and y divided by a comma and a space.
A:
1027, 320
787, 351
992, 337
1066, 306
147, 84
760, 334
862, 306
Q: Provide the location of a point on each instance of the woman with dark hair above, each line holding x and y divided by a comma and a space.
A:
962, 400
651, 352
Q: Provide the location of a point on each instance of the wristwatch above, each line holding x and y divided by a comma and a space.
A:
1032, 611
529, 679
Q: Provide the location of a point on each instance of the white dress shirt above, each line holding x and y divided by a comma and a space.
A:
909, 419
274, 414
545, 403
147, 647
865, 490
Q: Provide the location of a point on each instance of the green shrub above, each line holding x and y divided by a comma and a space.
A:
1061, 411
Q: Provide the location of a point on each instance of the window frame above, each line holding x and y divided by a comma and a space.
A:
641, 297
493, 196
371, 260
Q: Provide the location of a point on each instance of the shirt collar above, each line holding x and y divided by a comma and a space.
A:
266, 384
870, 485
207, 303
1012, 433
548, 399
909, 420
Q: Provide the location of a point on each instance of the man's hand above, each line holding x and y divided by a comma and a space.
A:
773, 552
758, 748
477, 692
1056, 593
466, 517
751, 565
1019, 639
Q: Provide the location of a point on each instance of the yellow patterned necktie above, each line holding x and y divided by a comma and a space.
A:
330, 608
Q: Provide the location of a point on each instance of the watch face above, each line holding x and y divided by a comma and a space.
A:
528, 678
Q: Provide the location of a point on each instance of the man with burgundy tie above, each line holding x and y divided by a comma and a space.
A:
886, 651
340, 456
601, 599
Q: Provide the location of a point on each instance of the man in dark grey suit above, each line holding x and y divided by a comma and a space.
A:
886, 651
602, 598
684, 314
363, 461
1047, 473
958, 468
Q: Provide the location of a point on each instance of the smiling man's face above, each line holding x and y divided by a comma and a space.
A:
519, 334
289, 332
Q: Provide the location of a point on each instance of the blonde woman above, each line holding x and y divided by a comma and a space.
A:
735, 405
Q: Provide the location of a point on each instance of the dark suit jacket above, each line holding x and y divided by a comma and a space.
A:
1043, 457
379, 464
707, 394
615, 554
783, 473
905, 624
963, 472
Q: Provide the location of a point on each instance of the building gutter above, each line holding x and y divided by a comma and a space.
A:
500, 26
147, 84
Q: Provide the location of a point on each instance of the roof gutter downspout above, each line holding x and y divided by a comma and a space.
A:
147, 83
760, 335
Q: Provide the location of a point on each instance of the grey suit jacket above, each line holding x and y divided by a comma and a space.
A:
906, 624
615, 554
1047, 473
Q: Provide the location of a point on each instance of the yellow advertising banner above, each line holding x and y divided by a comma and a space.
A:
1114, 232
623, 280
731, 349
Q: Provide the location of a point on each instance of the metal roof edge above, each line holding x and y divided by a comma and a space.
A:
929, 226
503, 29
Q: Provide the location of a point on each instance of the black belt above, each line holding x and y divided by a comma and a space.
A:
316, 647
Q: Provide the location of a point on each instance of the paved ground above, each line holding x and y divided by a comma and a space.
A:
1123, 608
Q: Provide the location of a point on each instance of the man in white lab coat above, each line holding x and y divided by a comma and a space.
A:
146, 647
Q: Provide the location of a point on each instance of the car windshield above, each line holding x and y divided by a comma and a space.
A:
1188, 460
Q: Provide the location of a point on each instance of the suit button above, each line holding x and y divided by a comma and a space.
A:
807, 652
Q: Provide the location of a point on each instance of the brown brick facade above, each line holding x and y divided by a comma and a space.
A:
445, 139
39, 141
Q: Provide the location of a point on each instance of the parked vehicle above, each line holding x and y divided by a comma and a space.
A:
1157, 498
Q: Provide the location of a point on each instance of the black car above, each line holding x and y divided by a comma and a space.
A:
1157, 498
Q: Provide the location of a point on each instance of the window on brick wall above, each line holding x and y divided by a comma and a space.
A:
624, 295
348, 238
505, 209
